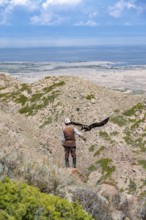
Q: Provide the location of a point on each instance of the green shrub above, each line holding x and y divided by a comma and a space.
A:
105, 135
107, 169
37, 101
91, 148
55, 85
48, 120
25, 87
133, 110
92, 168
128, 139
36, 97
132, 186
119, 120
28, 110
20, 201
2, 87
4, 95
99, 151
136, 124
142, 163
114, 133
90, 96
22, 99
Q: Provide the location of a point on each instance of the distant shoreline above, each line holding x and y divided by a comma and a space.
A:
122, 54
102, 73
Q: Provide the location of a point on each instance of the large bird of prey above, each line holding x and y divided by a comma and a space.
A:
93, 125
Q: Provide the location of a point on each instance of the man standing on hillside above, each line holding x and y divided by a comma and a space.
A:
69, 141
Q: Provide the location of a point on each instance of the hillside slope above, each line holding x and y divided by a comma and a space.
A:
32, 117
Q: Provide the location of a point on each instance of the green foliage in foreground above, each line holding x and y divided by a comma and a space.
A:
20, 201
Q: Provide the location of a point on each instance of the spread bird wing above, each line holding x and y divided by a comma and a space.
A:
79, 124
93, 125
98, 124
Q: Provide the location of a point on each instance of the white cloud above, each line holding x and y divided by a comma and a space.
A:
48, 18
120, 6
7, 7
60, 2
52, 14
19, 2
87, 23
14, 3
3, 2
43, 19
30, 5
45, 11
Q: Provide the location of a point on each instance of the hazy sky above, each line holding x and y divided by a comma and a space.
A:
72, 22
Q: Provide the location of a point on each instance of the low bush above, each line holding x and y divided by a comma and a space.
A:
119, 120
133, 110
47, 177
94, 204
141, 209
107, 168
97, 153
90, 96
20, 201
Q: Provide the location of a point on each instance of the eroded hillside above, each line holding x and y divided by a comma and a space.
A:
32, 118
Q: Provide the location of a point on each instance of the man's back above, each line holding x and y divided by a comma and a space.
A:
69, 136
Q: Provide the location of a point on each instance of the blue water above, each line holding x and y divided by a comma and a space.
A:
123, 55
34, 62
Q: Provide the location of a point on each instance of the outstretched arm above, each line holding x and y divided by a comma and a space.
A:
79, 134
83, 127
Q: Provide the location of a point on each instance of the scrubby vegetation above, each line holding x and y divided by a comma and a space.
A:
132, 111
107, 169
142, 163
33, 102
26, 87
91, 148
119, 120
132, 186
97, 153
20, 201
105, 164
113, 156
105, 136
90, 96
92, 168
93, 204
47, 178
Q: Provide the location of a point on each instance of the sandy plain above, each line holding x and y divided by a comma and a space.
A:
110, 75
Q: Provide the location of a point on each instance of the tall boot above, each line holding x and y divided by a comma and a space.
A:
67, 162
74, 162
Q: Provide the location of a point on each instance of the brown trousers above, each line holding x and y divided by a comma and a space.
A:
70, 150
